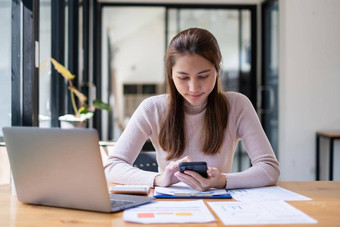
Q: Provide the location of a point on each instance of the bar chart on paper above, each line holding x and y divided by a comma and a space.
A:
254, 213
170, 212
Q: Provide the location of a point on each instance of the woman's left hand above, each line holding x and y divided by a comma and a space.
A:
215, 179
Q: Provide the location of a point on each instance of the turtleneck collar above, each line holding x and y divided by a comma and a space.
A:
194, 109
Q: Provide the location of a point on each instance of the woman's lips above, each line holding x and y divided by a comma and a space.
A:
196, 95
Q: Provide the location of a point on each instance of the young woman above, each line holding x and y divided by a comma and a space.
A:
196, 121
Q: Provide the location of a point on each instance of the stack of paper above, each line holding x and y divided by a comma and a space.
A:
254, 206
266, 194
263, 205
259, 213
181, 190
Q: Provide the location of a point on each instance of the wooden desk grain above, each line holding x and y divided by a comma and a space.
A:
325, 208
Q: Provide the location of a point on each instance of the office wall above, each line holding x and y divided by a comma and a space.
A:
309, 83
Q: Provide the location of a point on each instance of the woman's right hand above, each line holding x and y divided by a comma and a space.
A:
168, 178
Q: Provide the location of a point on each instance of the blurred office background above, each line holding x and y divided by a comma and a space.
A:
284, 55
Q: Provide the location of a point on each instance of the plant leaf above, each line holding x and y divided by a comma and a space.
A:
83, 110
98, 104
62, 70
82, 98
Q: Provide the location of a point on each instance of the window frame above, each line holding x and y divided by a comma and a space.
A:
25, 63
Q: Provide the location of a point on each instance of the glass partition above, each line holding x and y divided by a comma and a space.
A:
270, 75
133, 41
45, 66
5, 65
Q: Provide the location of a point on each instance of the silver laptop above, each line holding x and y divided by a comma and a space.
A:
62, 168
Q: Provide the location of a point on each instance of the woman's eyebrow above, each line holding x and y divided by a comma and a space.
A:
180, 72
185, 73
204, 71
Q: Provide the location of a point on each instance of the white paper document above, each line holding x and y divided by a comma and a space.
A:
170, 212
183, 189
266, 194
253, 213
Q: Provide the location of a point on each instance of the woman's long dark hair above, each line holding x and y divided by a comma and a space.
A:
193, 41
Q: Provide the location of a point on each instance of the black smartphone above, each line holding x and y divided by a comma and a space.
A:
199, 167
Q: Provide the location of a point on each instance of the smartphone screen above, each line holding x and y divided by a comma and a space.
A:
199, 167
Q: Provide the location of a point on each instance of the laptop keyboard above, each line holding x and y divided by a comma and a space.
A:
118, 202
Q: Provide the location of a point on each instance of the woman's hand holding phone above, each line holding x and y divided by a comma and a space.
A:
193, 174
168, 177
184, 170
198, 167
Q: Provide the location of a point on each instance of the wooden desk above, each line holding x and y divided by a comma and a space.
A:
331, 136
325, 208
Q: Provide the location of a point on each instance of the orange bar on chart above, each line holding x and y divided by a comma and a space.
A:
146, 215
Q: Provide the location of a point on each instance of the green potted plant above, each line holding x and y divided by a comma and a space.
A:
83, 112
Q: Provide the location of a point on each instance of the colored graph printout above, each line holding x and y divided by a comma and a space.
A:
256, 213
170, 212
273, 193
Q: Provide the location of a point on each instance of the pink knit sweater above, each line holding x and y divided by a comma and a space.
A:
243, 125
